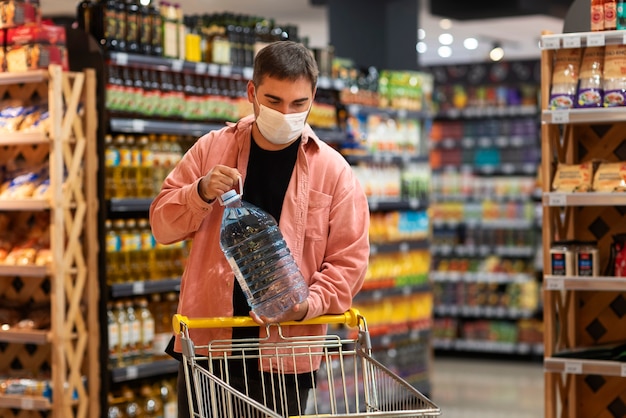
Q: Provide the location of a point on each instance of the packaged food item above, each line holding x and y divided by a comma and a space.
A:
587, 263
590, 90
565, 78
18, 12
573, 178
35, 46
614, 75
610, 177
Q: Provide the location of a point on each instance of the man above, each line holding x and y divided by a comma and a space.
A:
287, 171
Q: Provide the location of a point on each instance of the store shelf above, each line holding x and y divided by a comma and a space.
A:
492, 312
489, 112
584, 199
141, 371
372, 292
399, 247
36, 76
514, 141
493, 169
355, 109
388, 157
484, 223
582, 39
600, 283
24, 138
25, 204
32, 403
137, 125
331, 136
24, 271
486, 277
388, 204
584, 366
25, 336
119, 290
122, 205
124, 59
495, 347
481, 251
596, 115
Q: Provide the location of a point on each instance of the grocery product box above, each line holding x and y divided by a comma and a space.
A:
35, 46
18, 12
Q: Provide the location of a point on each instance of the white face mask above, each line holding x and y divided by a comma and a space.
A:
280, 128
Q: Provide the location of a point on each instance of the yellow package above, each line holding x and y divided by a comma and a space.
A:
610, 177
571, 178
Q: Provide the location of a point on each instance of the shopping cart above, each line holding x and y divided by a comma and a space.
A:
349, 382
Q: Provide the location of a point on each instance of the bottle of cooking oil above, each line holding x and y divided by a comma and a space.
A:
135, 330
123, 188
113, 247
113, 335
146, 342
112, 168
124, 270
152, 404
133, 167
147, 244
162, 325
124, 333
145, 179
132, 407
116, 407
168, 398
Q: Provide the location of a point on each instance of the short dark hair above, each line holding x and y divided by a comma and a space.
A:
285, 60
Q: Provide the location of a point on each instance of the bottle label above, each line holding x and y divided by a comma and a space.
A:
112, 157
559, 266
110, 24
586, 263
147, 334
114, 338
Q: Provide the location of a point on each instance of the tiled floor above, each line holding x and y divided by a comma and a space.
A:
468, 388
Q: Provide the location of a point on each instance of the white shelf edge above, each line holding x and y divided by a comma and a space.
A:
582, 39
584, 199
584, 366
594, 115
596, 283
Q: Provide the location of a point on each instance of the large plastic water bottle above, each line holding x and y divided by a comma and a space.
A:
260, 258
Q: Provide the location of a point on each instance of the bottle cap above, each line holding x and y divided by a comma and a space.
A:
229, 196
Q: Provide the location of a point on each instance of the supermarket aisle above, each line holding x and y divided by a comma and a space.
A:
472, 388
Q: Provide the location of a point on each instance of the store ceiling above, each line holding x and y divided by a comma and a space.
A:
518, 35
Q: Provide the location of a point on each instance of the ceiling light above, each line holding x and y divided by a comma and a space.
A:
446, 39
496, 53
470, 43
444, 51
445, 24
421, 47
421, 34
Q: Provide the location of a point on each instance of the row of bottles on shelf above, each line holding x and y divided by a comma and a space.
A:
525, 296
521, 127
156, 399
523, 331
136, 165
133, 255
390, 181
486, 210
163, 30
466, 184
404, 268
139, 330
396, 226
607, 15
397, 313
486, 266
150, 92
465, 238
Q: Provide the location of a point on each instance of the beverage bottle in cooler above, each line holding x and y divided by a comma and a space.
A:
259, 256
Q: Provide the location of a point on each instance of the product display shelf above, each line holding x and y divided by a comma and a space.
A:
581, 314
485, 156
67, 351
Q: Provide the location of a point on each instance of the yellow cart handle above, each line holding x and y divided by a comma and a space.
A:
350, 318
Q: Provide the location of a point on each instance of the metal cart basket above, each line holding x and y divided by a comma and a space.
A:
349, 382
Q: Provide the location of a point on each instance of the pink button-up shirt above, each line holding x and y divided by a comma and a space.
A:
324, 220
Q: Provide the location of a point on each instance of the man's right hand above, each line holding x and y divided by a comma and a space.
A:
218, 181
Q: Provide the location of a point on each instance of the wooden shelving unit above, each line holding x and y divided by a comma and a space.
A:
68, 350
581, 314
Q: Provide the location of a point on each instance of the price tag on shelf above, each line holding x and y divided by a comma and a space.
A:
27, 403
623, 372
560, 116
550, 43
214, 69
595, 39
177, 65
373, 249
132, 372
571, 41
573, 367
121, 58
404, 247
226, 70
402, 113
139, 288
557, 199
201, 67
138, 125
555, 284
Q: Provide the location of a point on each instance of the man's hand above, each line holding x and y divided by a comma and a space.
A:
218, 181
296, 314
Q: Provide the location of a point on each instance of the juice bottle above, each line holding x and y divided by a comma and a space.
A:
135, 330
